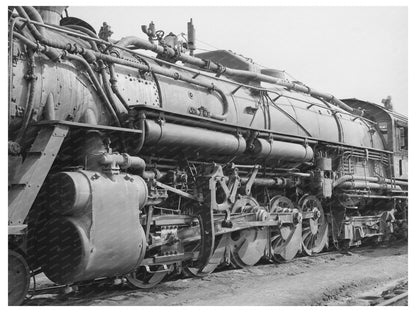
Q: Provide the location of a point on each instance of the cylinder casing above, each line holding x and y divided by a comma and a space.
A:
94, 229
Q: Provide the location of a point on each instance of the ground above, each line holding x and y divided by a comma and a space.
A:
327, 279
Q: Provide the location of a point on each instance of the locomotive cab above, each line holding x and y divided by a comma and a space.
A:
394, 129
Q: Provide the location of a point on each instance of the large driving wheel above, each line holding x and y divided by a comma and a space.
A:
19, 278
214, 261
286, 240
315, 226
247, 246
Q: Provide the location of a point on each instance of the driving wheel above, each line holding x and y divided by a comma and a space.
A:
315, 226
285, 240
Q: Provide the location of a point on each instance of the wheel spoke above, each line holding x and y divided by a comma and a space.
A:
306, 235
215, 260
248, 249
275, 238
313, 241
314, 233
142, 279
308, 240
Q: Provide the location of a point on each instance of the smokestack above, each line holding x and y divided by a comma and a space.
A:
50, 14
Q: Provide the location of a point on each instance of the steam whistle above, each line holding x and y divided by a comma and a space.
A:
150, 31
191, 37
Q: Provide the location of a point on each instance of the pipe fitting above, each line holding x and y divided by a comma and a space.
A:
124, 161
89, 56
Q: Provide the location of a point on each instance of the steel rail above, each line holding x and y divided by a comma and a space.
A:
45, 290
394, 299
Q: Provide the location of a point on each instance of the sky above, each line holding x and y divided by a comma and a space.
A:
358, 52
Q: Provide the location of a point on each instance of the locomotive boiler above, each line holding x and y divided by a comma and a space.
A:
130, 167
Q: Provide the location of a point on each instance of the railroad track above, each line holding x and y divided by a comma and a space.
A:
392, 301
396, 295
106, 288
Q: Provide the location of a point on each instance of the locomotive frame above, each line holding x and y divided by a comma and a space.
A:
139, 184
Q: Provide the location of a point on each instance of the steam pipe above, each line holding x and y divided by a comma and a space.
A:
107, 89
31, 95
266, 181
91, 55
139, 43
34, 15
51, 53
102, 70
278, 81
171, 74
297, 174
123, 160
86, 31
215, 67
31, 44
82, 29
10, 64
113, 79
142, 127
114, 86
85, 37
371, 185
346, 178
31, 14
96, 83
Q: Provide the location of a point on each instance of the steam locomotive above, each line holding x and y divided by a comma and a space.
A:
132, 167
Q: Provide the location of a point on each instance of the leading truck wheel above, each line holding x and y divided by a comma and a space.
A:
144, 277
19, 278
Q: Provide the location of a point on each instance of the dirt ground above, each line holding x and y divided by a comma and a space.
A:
327, 279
